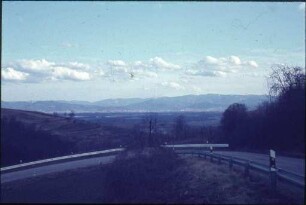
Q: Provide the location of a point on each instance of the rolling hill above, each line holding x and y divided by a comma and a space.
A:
29, 136
209, 102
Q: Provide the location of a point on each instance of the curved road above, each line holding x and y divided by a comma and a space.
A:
290, 164
287, 163
59, 167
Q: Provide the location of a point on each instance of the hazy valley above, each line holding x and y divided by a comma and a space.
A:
191, 103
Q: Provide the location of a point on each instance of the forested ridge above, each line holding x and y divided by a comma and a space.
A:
278, 123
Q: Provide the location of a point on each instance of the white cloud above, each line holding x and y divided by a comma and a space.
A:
43, 70
192, 72
252, 64
139, 64
13, 75
117, 63
153, 64
100, 73
160, 63
123, 70
35, 65
211, 60
220, 73
69, 74
235, 60
150, 74
219, 67
302, 6
173, 85
144, 73
120, 69
211, 73
78, 65
117, 69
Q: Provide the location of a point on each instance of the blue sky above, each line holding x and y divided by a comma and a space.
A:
98, 50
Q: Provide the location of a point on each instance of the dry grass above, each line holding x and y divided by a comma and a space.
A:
147, 177
217, 184
65, 128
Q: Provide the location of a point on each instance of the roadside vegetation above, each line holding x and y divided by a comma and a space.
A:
149, 175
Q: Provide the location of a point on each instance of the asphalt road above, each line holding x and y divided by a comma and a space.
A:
59, 167
294, 165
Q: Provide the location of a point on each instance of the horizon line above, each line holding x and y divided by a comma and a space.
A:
122, 98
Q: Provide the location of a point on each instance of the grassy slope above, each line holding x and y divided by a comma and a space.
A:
67, 130
55, 124
71, 136
150, 177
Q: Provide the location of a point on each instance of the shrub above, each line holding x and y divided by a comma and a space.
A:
140, 178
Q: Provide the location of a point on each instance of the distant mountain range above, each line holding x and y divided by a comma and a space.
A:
208, 102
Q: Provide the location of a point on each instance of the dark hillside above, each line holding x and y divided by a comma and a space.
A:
30, 136
23, 143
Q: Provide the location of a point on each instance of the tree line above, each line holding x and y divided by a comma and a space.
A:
278, 123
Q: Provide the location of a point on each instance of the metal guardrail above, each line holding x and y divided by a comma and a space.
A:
282, 171
59, 159
259, 167
281, 174
195, 145
291, 180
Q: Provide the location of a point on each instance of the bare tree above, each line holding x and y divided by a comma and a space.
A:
284, 78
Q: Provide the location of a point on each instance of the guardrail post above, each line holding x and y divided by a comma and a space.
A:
231, 163
273, 179
247, 169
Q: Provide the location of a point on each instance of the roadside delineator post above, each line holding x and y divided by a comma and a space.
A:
273, 175
211, 152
